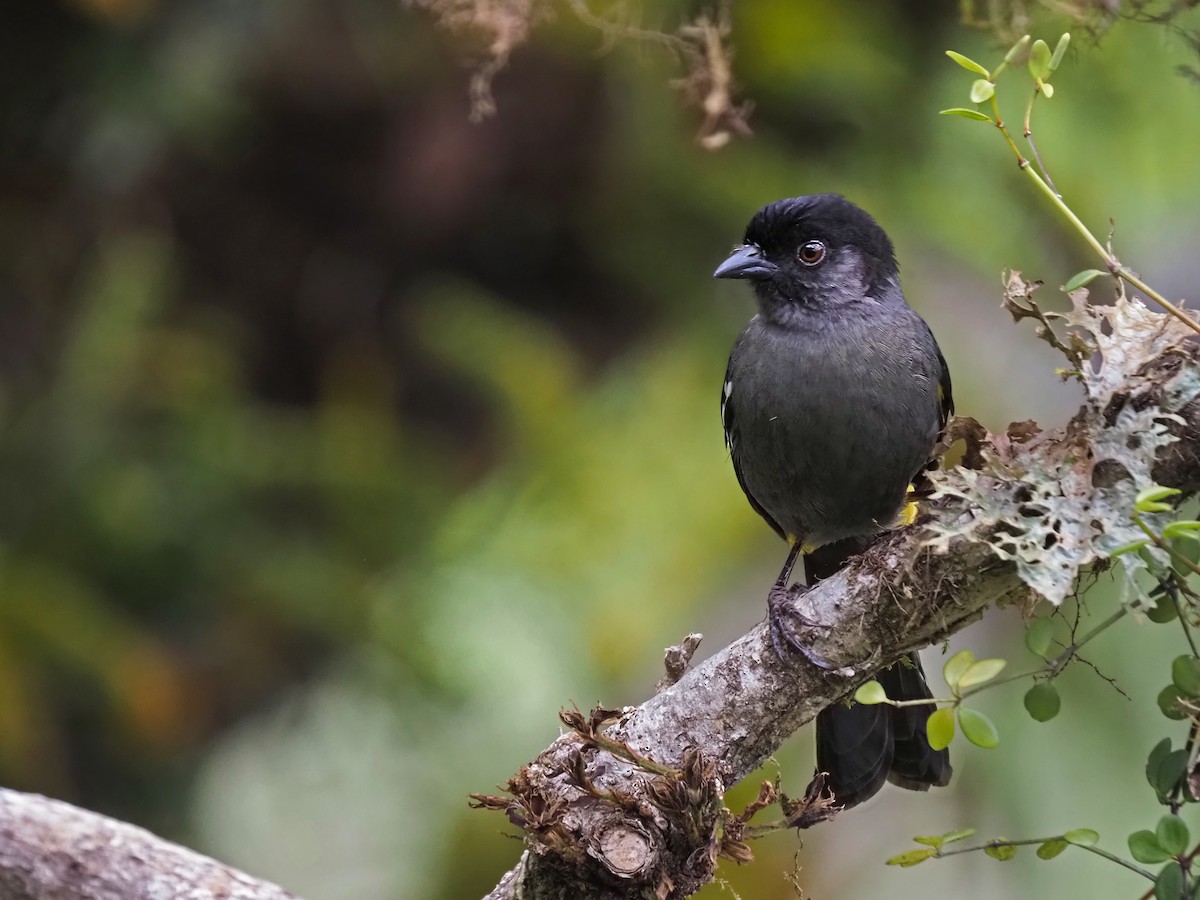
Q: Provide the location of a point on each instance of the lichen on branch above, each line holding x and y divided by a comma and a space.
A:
1056, 503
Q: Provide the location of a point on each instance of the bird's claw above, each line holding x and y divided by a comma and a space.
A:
786, 624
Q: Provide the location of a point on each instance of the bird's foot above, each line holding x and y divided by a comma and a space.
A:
787, 625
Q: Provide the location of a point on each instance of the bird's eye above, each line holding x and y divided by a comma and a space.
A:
811, 253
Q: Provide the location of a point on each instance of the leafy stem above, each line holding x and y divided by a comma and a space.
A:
1053, 667
1111, 262
1175, 802
1159, 541
967, 677
937, 847
1187, 631
1037, 90
1185, 860
1024, 842
1057, 664
1041, 66
1180, 583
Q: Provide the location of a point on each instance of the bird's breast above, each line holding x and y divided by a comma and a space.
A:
831, 426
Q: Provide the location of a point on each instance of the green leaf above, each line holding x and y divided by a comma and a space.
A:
1166, 774
1147, 499
960, 834
969, 64
911, 858
1082, 837
1039, 636
1172, 835
1060, 50
939, 728
1156, 492
1128, 548
980, 672
1184, 528
871, 693
1052, 848
1157, 755
1169, 883
977, 728
1185, 672
1164, 609
1002, 852
1042, 702
1039, 60
982, 90
956, 666
1079, 279
966, 114
1189, 550
1169, 705
1016, 49
930, 840
1143, 846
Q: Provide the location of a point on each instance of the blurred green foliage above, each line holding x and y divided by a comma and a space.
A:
343, 440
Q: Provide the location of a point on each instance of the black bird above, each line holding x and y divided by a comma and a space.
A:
835, 395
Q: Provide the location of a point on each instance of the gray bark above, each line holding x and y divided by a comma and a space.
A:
50, 850
737, 707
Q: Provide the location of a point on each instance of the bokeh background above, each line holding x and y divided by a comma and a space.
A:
343, 440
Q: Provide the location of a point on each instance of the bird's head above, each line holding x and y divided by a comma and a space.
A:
812, 253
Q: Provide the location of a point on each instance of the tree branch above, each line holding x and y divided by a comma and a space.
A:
737, 707
50, 850
602, 823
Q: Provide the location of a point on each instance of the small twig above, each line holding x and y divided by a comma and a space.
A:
932, 701
1059, 662
1113, 264
1132, 867
1107, 679
1007, 679
1053, 667
1187, 631
676, 660
612, 30
1185, 860
1037, 90
1025, 842
1158, 541
1175, 801
1180, 581
998, 121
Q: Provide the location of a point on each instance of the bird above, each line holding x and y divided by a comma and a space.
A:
833, 400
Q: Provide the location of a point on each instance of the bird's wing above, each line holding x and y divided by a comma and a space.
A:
729, 424
945, 392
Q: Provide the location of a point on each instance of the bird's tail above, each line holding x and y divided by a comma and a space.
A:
862, 746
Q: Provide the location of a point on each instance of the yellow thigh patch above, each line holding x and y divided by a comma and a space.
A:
805, 549
908, 515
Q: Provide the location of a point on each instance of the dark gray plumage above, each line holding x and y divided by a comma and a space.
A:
834, 397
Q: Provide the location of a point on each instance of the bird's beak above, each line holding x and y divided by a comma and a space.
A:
746, 262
